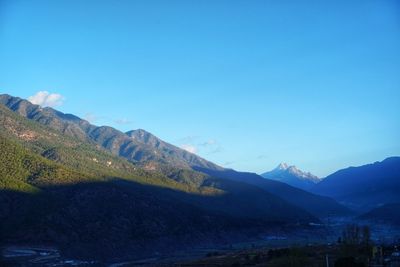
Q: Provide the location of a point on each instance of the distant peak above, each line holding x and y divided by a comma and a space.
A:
282, 166
293, 170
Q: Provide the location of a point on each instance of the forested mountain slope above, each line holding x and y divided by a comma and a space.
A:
59, 189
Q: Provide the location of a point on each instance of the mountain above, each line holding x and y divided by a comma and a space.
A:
292, 176
387, 214
67, 190
317, 205
167, 151
136, 146
152, 154
364, 187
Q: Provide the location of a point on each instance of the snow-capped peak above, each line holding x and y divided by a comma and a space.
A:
291, 175
282, 166
291, 169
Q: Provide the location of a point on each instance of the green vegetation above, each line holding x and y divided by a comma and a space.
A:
35, 154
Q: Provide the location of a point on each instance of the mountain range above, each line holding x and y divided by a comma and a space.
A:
361, 188
292, 176
99, 191
152, 154
91, 189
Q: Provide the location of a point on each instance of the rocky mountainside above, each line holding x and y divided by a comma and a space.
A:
167, 151
292, 176
137, 146
364, 187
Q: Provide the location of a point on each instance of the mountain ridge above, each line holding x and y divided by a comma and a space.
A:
364, 187
117, 142
320, 206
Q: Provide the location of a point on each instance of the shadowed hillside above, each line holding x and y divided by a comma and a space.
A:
364, 187
315, 204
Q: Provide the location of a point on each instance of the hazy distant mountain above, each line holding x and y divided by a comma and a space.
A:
292, 176
388, 214
153, 154
364, 187
315, 204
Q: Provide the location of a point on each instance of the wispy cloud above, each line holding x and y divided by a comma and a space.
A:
93, 118
208, 143
90, 117
217, 149
123, 121
228, 163
211, 146
195, 143
262, 157
189, 148
187, 139
46, 99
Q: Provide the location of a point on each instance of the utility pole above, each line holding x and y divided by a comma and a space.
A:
327, 260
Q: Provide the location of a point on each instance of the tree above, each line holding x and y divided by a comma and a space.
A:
356, 243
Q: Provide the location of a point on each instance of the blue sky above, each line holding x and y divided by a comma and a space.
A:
247, 84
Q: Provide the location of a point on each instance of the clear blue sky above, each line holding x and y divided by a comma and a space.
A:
248, 84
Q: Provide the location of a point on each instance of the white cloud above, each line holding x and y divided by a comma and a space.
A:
46, 99
189, 148
216, 150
